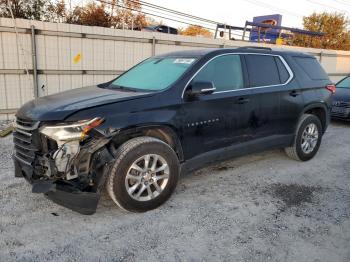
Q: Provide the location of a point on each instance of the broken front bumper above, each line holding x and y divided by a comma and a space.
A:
70, 173
61, 192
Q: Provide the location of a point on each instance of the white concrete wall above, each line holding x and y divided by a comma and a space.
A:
58, 52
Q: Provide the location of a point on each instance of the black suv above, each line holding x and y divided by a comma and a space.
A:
172, 112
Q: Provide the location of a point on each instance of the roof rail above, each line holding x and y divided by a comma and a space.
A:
255, 47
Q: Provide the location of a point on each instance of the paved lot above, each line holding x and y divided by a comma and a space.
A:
262, 207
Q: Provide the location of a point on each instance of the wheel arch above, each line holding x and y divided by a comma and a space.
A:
320, 110
162, 132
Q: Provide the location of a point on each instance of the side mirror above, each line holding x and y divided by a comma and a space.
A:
201, 88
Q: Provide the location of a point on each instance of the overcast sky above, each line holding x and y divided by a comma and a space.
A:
236, 12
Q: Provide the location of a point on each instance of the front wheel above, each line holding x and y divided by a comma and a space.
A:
144, 175
307, 140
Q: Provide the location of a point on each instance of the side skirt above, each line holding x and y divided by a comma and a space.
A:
236, 150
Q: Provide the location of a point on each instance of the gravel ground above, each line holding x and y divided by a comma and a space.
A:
262, 207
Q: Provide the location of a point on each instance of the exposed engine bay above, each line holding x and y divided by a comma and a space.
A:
64, 157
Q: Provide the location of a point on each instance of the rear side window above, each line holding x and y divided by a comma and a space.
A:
224, 71
311, 67
284, 75
262, 70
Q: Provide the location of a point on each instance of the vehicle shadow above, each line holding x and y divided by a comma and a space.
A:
340, 123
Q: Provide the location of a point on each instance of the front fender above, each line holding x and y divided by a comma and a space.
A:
164, 132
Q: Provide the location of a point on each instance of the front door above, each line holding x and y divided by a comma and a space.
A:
219, 119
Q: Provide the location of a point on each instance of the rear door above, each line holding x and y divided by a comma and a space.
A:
292, 99
306, 89
266, 85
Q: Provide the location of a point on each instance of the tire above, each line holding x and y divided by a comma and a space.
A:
297, 151
126, 179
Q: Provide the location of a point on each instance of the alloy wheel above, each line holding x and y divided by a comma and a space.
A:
309, 138
147, 177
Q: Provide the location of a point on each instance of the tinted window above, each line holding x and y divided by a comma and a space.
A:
153, 73
173, 31
311, 67
345, 83
224, 71
284, 75
262, 70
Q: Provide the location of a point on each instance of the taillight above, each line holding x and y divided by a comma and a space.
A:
331, 88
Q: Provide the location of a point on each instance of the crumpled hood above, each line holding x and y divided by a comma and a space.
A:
61, 105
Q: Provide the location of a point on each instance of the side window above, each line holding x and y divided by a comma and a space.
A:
173, 31
164, 29
284, 75
224, 71
311, 67
262, 70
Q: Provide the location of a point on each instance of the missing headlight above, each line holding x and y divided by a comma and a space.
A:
68, 137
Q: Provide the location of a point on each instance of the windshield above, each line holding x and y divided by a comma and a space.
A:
345, 83
153, 74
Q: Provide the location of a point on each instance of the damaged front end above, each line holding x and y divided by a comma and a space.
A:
67, 162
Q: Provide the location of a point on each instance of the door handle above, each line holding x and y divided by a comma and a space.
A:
242, 100
294, 93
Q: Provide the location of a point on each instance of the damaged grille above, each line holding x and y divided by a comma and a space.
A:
25, 139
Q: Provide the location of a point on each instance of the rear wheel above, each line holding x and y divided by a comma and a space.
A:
307, 140
144, 175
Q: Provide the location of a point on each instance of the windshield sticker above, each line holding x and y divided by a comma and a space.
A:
184, 61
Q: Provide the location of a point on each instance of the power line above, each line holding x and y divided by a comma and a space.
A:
328, 6
164, 9
190, 20
193, 19
177, 12
148, 8
147, 13
342, 2
163, 17
271, 7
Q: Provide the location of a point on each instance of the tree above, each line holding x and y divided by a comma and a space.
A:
56, 12
116, 14
125, 13
93, 15
196, 30
335, 29
27, 9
